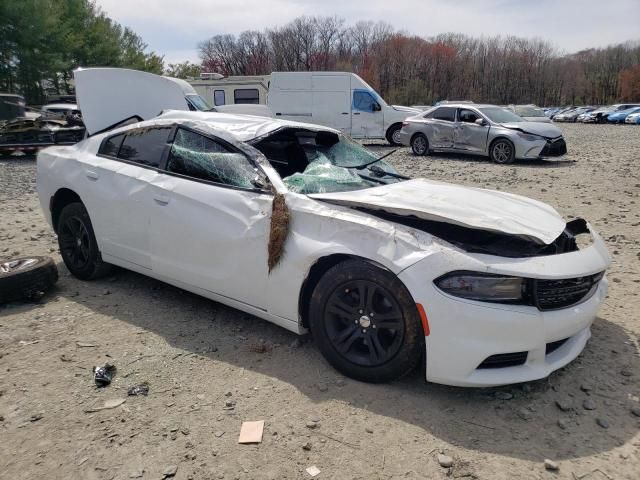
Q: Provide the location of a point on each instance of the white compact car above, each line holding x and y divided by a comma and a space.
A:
297, 224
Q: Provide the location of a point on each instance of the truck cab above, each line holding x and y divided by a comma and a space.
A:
339, 100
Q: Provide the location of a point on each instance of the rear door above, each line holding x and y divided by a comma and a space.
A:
443, 127
209, 224
121, 198
469, 136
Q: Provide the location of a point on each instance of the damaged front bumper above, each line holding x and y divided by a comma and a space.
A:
481, 344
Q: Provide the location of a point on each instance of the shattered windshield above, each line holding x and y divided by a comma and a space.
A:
501, 115
324, 161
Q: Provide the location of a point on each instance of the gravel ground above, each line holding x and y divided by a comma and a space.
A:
210, 367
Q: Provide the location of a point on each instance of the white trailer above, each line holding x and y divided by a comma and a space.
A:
339, 100
218, 90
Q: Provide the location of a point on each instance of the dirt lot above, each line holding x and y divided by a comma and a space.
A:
210, 367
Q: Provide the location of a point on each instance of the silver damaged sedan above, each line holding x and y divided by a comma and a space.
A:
486, 130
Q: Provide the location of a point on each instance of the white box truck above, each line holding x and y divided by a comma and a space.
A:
340, 100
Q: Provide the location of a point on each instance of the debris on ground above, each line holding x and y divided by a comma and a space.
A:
261, 347
103, 375
170, 471
36, 417
251, 432
141, 389
551, 465
85, 345
109, 404
313, 471
445, 461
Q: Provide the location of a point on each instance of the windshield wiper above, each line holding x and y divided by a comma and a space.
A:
372, 179
362, 167
380, 172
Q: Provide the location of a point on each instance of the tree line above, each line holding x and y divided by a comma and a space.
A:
412, 70
43, 41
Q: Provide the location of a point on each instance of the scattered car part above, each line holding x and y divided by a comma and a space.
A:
26, 277
140, 389
103, 375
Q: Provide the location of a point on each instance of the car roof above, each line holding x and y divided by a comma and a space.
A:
61, 106
242, 127
467, 105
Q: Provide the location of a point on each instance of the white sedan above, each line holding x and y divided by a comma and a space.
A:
297, 224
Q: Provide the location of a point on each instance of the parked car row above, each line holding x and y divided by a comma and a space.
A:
616, 113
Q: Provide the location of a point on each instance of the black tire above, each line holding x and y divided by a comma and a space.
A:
78, 245
502, 151
420, 144
392, 132
370, 348
26, 278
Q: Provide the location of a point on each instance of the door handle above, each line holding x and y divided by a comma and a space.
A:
345, 113
91, 175
356, 113
161, 199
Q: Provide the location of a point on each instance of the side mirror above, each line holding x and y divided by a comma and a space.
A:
376, 107
260, 182
480, 121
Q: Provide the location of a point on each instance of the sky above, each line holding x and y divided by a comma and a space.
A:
173, 28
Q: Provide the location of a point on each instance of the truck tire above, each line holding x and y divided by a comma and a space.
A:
392, 134
26, 278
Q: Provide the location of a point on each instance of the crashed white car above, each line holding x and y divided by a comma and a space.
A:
298, 225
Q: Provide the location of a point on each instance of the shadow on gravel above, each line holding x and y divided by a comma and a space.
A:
522, 421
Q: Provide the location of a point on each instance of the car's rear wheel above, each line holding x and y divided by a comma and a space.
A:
420, 144
393, 134
365, 322
502, 151
78, 245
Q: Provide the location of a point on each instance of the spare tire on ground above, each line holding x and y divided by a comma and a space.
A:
26, 277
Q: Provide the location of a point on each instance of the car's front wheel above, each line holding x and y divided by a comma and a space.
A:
365, 322
420, 144
78, 245
502, 151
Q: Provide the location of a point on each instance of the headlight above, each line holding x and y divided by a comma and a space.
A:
483, 286
528, 137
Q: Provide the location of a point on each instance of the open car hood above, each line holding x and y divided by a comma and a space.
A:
547, 130
401, 108
464, 206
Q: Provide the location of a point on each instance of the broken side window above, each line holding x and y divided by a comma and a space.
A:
197, 156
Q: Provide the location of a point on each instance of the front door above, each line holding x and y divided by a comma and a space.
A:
367, 119
209, 224
470, 136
